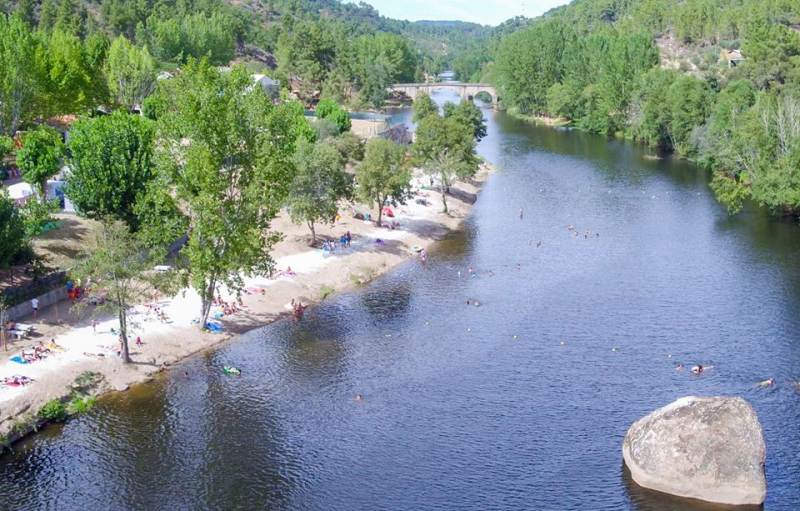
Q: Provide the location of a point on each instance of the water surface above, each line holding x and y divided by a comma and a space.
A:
458, 412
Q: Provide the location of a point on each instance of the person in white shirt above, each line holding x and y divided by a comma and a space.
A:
35, 306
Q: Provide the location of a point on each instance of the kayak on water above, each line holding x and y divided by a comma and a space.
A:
231, 370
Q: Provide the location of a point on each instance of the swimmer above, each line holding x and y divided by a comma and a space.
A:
164, 367
571, 227
359, 398
697, 369
491, 273
471, 271
539, 244
186, 374
477, 303
517, 266
679, 367
468, 302
766, 383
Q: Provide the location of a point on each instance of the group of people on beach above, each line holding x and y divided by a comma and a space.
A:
343, 242
227, 309
39, 351
159, 313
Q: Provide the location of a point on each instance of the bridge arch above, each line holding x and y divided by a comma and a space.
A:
465, 90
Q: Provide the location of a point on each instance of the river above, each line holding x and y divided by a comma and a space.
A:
521, 403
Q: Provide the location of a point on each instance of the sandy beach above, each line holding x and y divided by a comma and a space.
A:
316, 273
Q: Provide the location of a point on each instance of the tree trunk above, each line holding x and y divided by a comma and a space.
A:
380, 212
313, 233
123, 331
206, 301
444, 197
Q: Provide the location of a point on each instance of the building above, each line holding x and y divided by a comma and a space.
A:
734, 58
271, 87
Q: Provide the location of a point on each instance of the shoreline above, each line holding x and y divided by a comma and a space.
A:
317, 276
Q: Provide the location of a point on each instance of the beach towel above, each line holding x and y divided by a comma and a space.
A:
214, 327
18, 360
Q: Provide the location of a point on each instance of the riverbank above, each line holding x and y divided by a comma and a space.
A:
539, 120
315, 276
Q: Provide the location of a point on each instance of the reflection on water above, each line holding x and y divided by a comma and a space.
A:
458, 412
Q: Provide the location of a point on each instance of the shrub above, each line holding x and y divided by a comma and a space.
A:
54, 410
325, 291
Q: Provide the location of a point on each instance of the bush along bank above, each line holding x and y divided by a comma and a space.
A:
79, 398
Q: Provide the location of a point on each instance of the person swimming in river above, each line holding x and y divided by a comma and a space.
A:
359, 398
766, 383
699, 368
679, 367
571, 227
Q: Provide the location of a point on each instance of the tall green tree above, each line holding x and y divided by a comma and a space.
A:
327, 109
121, 265
383, 177
13, 241
131, 73
424, 106
18, 73
111, 167
445, 149
40, 158
228, 151
467, 113
320, 183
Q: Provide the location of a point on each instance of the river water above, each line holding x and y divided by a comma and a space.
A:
518, 404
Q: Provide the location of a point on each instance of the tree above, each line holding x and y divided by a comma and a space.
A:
467, 113
319, 185
327, 109
18, 79
383, 177
131, 73
111, 166
121, 265
40, 157
65, 82
445, 149
424, 106
228, 152
13, 241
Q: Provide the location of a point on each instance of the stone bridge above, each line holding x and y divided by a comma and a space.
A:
465, 90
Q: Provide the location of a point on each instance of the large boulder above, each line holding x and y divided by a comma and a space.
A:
708, 448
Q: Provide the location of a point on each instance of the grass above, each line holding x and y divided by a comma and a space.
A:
325, 291
62, 246
363, 276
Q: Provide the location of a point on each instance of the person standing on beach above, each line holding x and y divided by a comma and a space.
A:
35, 307
348, 238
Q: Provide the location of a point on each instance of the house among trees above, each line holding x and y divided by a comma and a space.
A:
734, 58
271, 87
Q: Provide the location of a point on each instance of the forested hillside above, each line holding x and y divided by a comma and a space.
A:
348, 52
670, 74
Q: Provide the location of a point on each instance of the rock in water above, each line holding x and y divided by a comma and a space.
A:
707, 448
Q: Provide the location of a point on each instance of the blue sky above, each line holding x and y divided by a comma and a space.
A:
485, 12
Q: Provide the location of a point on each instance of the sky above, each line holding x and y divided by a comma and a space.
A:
485, 12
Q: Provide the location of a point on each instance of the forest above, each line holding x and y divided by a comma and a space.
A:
717, 81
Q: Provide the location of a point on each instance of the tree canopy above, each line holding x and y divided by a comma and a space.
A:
320, 183
228, 152
111, 168
383, 177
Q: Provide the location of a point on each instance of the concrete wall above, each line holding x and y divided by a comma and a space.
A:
47, 299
